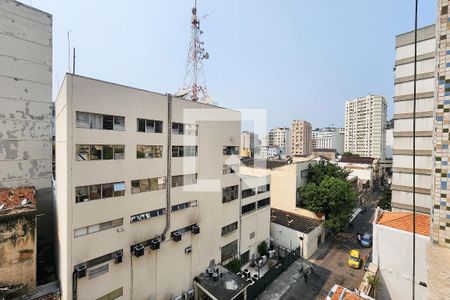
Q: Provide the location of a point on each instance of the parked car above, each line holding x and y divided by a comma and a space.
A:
354, 259
366, 240
332, 291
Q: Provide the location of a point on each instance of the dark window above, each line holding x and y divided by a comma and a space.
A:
229, 228
230, 193
248, 208
229, 251
150, 126
248, 193
230, 150
180, 180
99, 152
99, 191
245, 257
263, 188
263, 202
108, 122
184, 151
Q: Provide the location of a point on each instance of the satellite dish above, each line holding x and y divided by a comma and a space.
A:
206, 55
181, 93
24, 201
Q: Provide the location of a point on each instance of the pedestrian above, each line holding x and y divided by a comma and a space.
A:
305, 277
359, 237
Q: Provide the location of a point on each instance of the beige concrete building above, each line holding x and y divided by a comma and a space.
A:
301, 138
25, 101
247, 148
255, 216
280, 137
403, 108
365, 126
147, 190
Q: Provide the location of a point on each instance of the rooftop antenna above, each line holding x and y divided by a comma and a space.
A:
68, 49
194, 87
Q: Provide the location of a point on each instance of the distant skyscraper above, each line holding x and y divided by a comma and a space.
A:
365, 126
280, 137
247, 143
301, 138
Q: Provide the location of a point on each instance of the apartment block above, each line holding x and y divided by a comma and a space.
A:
329, 138
247, 147
403, 121
255, 216
280, 137
301, 138
365, 126
147, 189
25, 101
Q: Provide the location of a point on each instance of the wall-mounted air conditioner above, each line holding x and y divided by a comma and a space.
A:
188, 249
139, 250
195, 229
177, 236
81, 271
118, 257
155, 244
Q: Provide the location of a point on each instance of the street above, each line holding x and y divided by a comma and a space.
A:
329, 268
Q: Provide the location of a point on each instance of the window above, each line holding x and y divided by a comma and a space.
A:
245, 257
182, 230
149, 151
248, 208
230, 169
184, 205
230, 150
229, 228
180, 180
230, 193
229, 251
188, 129
100, 152
184, 151
148, 185
264, 202
248, 193
147, 215
99, 191
97, 227
252, 235
150, 126
99, 121
263, 188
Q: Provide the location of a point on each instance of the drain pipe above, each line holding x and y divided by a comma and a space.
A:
169, 165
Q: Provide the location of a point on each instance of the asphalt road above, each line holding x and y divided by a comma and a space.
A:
333, 268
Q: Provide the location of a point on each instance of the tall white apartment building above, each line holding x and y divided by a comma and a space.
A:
25, 106
329, 138
301, 138
247, 143
403, 109
147, 190
365, 126
280, 137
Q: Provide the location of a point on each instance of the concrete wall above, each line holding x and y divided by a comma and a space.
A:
25, 101
18, 249
158, 274
395, 267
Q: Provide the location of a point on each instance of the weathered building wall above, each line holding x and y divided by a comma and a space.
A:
25, 105
18, 249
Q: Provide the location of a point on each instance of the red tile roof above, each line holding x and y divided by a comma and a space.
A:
12, 197
404, 220
348, 295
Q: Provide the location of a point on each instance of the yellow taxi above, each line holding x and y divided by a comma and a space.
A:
354, 259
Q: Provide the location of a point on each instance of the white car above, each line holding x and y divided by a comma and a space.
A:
332, 291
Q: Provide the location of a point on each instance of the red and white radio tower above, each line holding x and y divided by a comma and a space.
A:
194, 87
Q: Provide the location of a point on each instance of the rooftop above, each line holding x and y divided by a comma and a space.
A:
404, 220
324, 150
11, 198
294, 221
345, 294
263, 163
357, 159
225, 287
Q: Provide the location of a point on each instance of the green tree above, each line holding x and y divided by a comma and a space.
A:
318, 171
262, 248
385, 201
333, 197
347, 154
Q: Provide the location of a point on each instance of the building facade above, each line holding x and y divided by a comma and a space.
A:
247, 144
329, 138
301, 138
403, 108
365, 126
25, 101
280, 137
147, 192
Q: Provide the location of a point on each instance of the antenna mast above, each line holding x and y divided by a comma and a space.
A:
194, 87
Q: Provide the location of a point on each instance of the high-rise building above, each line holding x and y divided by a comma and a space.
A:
148, 192
247, 148
329, 138
301, 138
403, 108
365, 126
25, 117
280, 137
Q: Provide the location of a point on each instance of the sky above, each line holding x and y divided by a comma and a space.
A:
297, 59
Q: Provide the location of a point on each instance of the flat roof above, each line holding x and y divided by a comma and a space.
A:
357, 159
404, 221
226, 287
294, 221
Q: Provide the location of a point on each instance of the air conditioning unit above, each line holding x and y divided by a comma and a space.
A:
81, 271
118, 257
139, 250
189, 294
177, 236
195, 229
179, 297
188, 250
155, 244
